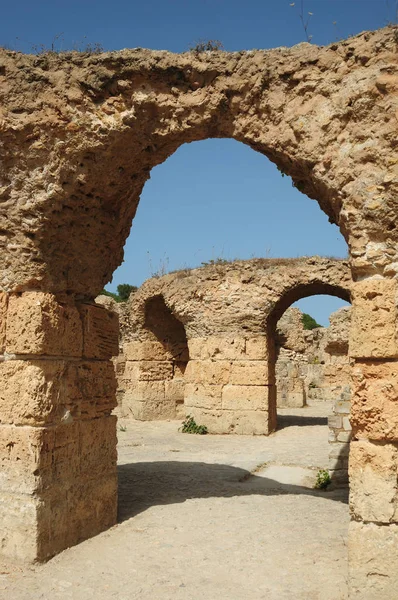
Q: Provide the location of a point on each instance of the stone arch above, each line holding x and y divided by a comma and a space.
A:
80, 135
156, 359
227, 311
297, 292
131, 110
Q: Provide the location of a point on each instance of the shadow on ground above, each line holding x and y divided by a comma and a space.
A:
299, 421
146, 484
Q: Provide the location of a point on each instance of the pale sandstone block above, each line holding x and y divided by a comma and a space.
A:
145, 350
202, 395
153, 350
374, 405
66, 517
38, 324
174, 390
229, 422
373, 560
335, 422
153, 410
249, 372
217, 348
374, 319
257, 348
3, 320
148, 370
207, 371
19, 526
374, 481
142, 391
50, 391
346, 424
100, 331
245, 397
344, 436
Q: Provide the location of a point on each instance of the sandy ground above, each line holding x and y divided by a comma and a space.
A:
209, 518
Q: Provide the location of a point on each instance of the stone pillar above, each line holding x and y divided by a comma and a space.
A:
154, 380
373, 469
58, 483
228, 387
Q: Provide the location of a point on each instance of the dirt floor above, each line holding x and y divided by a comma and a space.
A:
209, 518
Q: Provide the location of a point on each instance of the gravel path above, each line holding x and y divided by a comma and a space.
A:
209, 518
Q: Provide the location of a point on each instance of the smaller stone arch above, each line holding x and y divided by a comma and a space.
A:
156, 360
227, 312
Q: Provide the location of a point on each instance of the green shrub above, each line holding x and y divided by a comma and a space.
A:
309, 322
322, 480
189, 426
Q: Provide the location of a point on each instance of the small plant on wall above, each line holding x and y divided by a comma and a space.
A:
190, 426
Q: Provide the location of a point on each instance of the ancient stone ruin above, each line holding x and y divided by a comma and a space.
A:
79, 137
204, 342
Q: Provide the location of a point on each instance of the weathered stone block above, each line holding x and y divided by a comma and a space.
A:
153, 410
229, 422
146, 350
373, 560
179, 368
335, 422
207, 371
65, 518
245, 397
100, 331
174, 390
58, 485
249, 372
19, 526
374, 319
342, 407
374, 481
38, 324
217, 348
256, 348
148, 370
41, 392
202, 395
145, 390
374, 410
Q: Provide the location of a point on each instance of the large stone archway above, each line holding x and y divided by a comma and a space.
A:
79, 136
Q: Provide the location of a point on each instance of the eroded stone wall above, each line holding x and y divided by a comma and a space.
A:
312, 365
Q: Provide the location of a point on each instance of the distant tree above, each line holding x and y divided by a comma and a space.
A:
309, 322
124, 290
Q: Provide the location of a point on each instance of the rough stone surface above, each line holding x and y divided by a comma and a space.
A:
100, 123
373, 559
374, 481
374, 319
374, 413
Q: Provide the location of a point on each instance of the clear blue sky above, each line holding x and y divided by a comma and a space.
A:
216, 198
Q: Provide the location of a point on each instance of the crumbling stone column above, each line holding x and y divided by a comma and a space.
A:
58, 481
373, 534
228, 387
